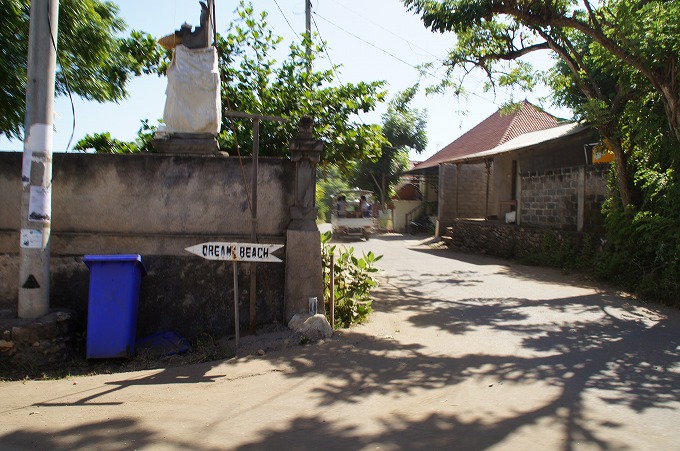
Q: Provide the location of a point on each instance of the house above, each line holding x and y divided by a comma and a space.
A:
455, 190
547, 178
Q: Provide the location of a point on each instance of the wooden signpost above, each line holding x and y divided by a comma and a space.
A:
236, 252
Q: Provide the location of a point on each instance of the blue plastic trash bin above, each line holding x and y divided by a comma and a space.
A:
112, 306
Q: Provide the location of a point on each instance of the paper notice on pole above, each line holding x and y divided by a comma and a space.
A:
31, 239
40, 204
26, 167
38, 139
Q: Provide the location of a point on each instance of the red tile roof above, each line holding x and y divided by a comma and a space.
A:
493, 131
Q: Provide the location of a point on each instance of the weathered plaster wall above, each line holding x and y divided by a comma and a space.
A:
155, 205
401, 209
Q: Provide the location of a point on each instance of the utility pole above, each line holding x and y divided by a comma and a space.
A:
36, 174
308, 27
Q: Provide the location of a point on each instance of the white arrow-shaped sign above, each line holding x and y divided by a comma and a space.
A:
239, 252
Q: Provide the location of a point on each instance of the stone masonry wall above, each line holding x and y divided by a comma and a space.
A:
504, 240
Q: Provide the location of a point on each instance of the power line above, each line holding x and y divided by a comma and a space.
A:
419, 69
286, 19
411, 44
366, 42
325, 50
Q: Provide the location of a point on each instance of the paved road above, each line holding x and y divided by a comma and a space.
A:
463, 352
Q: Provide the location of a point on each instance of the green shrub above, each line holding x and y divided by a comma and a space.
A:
642, 254
563, 251
354, 279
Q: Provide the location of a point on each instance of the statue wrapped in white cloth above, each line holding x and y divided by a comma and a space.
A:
192, 112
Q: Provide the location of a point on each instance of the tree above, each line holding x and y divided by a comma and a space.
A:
92, 60
254, 82
404, 129
603, 48
105, 143
641, 34
617, 69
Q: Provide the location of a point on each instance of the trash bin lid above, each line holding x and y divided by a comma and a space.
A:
118, 258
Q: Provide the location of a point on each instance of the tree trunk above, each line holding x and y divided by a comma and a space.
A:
625, 191
672, 106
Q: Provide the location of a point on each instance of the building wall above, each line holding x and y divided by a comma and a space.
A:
502, 186
156, 206
462, 192
596, 192
562, 153
401, 209
551, 198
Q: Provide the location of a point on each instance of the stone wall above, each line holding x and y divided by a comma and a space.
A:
504, 240
25, 344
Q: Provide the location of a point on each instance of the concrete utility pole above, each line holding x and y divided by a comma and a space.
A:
308, 27
36, 176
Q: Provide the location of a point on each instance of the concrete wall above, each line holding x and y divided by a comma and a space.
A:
155, 205
562, 198
401, 209
462, 192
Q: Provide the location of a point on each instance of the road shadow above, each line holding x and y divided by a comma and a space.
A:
599, 346
628, 357
189, 374
120, 433
513, 269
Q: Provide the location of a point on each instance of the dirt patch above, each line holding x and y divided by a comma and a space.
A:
270, 338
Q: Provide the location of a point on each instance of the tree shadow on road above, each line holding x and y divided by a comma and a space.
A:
189, 374
514, 269
617, 354
120, 433
564, 354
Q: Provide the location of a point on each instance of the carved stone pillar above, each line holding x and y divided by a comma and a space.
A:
304, 276
305, 151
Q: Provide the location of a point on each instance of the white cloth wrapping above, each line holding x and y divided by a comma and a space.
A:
192, 103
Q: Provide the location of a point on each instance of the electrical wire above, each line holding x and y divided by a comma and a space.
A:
420, 69
325, 50
70, 96
66, 82
366, 42
286, 19
411, 44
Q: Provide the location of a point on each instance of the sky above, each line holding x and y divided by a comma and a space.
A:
371, 40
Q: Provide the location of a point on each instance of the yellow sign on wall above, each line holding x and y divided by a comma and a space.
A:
601, 154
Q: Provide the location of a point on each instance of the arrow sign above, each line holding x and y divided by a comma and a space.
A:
237, 252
